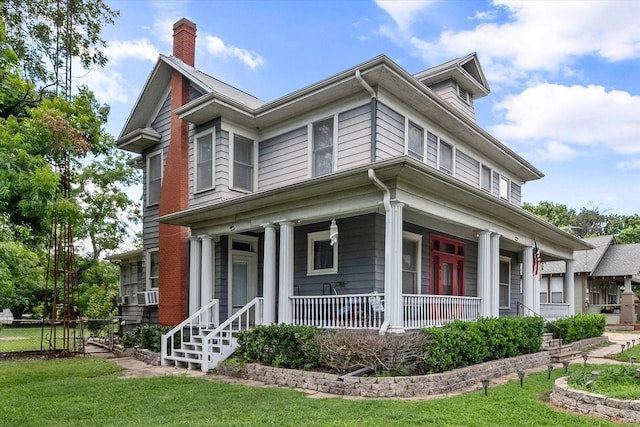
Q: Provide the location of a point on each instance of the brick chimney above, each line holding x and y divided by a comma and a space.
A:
174, 196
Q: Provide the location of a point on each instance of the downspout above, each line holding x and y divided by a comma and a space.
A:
386, 201
374, 113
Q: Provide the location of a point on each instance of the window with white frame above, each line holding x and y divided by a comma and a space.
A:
415, 142
504, 188
445, 157
411, 262
557, 289
242, 163
323, 147
204, 159
505, 282
154, 177
485, 178
153, 270
322, 257
129, 280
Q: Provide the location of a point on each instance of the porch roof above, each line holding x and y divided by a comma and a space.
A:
438, 200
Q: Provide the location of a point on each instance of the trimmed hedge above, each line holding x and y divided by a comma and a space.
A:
282, 346
461, 344
578, 327
146, 336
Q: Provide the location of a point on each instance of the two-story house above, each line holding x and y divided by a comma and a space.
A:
370, 199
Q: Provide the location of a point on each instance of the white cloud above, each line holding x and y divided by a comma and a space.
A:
107, 84
628, 164
582, 115
403, 12
553, 151
142, 49
217, 47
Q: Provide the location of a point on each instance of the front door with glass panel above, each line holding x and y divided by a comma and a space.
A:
243, 281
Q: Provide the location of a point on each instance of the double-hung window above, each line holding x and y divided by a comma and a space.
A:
485, 178
154, 177
242, 163
505, 282
415, 142
204, 160
445, 157
411, 262
323, 147
322, 257
153, 270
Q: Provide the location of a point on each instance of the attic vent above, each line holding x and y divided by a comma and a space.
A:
464, 94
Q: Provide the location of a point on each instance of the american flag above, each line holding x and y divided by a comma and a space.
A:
537, 260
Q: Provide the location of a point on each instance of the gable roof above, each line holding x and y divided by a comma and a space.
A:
466, 71
620, 260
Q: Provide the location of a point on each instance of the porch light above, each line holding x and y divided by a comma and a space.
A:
485, 385
549, 369
565, 363
521, 376
333, 232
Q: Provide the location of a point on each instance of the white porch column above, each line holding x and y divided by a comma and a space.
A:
484, 272
536, 294
393, 309
495, 275
207, 275
286, 272
527, 281
194, 274
269, 275
570, 286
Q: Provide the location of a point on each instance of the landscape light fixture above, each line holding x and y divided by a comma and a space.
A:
485, 385
594, 375
633, 341
565, 363
549, 369
521, 376
585, 357
628, 344
633, 359
622, 347
637, 374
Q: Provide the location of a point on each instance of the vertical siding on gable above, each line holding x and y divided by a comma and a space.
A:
354, 137
389, 133
467, 168
283, 159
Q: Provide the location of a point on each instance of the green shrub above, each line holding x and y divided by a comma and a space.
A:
578, 327
146, 336
285, 346
461, 344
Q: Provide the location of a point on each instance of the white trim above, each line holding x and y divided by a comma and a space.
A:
254, 154
453, 156
482, 167
148, 157
252, 266
311, 239
334, 144
416, 238
507, 187
210, 131
407, 124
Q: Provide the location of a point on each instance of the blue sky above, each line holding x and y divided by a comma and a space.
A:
564, 76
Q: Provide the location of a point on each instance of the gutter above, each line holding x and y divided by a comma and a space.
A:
374, 113
386, 200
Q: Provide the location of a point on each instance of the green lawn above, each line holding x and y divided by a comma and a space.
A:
86, 391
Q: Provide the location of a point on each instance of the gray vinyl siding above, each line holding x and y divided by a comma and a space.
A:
389, 133
354, 137
432, 152
467, 168
283, 159
495, 184
221, 280
448, 90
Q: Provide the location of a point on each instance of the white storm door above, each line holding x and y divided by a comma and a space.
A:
243, 279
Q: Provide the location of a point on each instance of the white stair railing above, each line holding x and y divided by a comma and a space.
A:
222, 342
206, 318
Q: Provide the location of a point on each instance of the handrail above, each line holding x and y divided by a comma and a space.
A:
538, 315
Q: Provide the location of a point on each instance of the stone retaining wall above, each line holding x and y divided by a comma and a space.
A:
594, 404
147, 356
422, 385
588, 343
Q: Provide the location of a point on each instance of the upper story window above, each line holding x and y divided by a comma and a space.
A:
154, 177
464, 95
322, 257
415, 142
153, 271
242, 163
445, 157
204, 159
129, 280
323, 147
504, 188
485, 178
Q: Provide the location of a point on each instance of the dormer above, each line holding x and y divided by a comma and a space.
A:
458, 82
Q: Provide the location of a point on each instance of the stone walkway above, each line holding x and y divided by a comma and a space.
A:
134, 368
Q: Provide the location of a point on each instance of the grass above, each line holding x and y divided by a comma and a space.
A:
616, 381
87, 392
14, 339
625, 356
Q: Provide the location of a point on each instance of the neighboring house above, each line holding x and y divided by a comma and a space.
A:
603, 275
371, 199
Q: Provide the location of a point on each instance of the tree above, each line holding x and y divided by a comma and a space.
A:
557, 214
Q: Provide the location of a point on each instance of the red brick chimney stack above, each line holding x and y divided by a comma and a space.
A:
174, 197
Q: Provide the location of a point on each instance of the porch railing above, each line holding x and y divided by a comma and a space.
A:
554, 311
425, 311
361, 311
